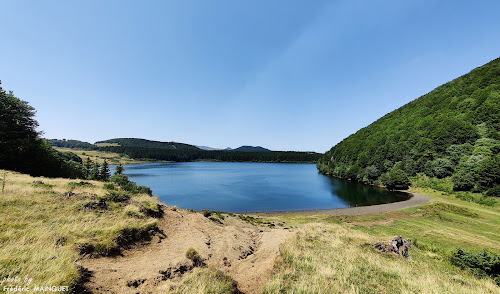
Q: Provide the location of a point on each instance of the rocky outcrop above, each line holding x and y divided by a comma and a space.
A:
396, 246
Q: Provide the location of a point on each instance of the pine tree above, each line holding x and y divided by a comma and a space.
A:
119, 169
95, 174
87, 167
104, 174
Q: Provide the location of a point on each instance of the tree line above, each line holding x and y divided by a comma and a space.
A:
193, 155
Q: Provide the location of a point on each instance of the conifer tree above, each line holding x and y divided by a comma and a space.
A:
95, 174
119, 169
104, 174
87, 167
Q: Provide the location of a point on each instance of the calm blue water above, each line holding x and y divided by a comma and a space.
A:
251, 187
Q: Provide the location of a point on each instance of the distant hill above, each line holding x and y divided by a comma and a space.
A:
212, 148
251, 149
73, 144
451, 131
143, 143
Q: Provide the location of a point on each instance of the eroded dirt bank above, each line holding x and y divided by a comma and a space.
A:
243, 251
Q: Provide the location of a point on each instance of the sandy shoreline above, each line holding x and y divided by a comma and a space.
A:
415, 200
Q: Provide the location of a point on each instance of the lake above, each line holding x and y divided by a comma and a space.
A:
253, 187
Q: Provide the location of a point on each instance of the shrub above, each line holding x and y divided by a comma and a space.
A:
482, 264
116, 196
73, 185
143, 189
109, 186
494, 192
194, 256
464, 178
119, 179
396, 179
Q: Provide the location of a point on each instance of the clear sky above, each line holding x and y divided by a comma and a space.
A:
285, 75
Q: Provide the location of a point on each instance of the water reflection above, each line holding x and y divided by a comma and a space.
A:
249, 187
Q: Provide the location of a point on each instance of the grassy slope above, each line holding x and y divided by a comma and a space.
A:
40, 230
99, 156
331, 254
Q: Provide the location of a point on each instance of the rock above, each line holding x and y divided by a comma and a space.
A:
205, 212
135, 283
386, 248
394, 245
405, 253
397, 242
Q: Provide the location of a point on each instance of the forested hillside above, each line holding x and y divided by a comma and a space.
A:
143, 143
451, 131
73, 144
172, 151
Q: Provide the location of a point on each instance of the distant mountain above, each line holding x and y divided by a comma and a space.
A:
143, 143
252, 149
212, 148
452, 131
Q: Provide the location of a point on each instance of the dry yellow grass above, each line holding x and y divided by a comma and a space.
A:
100, 156
201, 281
41, 231
330, 258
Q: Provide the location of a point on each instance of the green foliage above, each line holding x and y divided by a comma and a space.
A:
73, 185
489, 173
194, 256
119, 170
372, 173
172, 151
482, 264
130, 186
396, 179
104, 173
494, 192
451, 131
116, 196
109, 186
73, 144
442, 167
95, 172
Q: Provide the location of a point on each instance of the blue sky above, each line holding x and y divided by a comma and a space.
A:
286, 75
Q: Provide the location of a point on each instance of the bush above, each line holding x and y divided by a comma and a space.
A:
109, 186
116, 196
464, 178
119, 179
481, 264
396, 179
494, 192
194, 256
143, 189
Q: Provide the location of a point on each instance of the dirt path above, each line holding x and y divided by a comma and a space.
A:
415, 200
241, 250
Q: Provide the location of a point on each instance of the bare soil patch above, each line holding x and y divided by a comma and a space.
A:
243, 251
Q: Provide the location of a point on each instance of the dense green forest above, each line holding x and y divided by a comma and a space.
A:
453, 131
184, 152
143, 143
22, 149
73, 144
252, 149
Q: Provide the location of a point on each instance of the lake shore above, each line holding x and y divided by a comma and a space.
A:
415, 200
